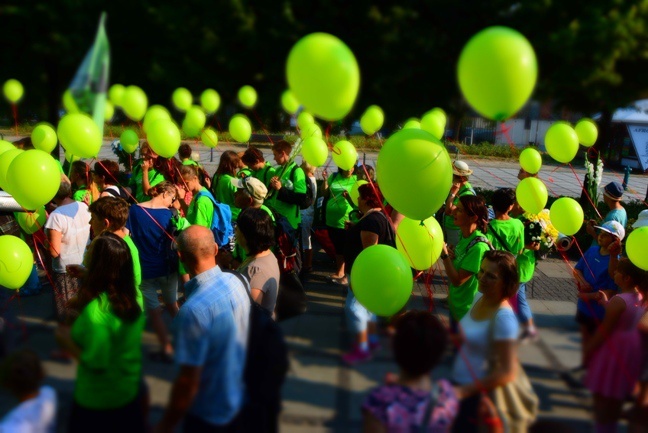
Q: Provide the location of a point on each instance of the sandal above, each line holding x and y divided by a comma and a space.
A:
342, 281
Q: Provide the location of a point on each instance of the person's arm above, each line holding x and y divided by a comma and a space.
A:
584, 285
613, 311
449, 203
326, 192
54, 239
146, 185
456, 276
371, 424
257, 295
504, 372
368, 239
396, 218
183, 393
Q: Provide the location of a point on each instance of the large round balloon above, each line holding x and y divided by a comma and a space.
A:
434, 122
31, 222
43, 137
164, 137
134, 103
182, 99
304, 119
344, 155
323, 74
240, 128
210, 100
561, 142
289, 103
80, 135
587, 132
13, 90
16, 262
209, 137
115, 94
414, 173
354, 193
531, 160
636, 247
129, 140
381, 280
566, 215
109, 111
35, 178
154, 113
420, 242
372, 120
247, 96
6, 158
311, 130
194, 121
5, 146
531, 194
497, 72
314, 151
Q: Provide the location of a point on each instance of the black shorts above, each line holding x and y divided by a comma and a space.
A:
589, 322
338, 238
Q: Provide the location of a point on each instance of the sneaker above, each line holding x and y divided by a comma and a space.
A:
356, 356
529, 336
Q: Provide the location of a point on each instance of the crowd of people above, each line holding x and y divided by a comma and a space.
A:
174, 243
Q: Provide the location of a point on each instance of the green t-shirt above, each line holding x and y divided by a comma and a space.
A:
201, 210
135, 182
526, 265
297, 184
189, 161
448, 221
460, 298
137, 268
337, 206
511, 231
224, 192
81, 194
110, 366
244, 172
265, 174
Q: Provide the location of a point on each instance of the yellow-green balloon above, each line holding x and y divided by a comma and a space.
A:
209, 137
31, 222
35, 178
372, 120
434, 122
71, 158
344, 155
414, 173
636, 247
6, 158
44, 137
109, 111
16, 262
315, 151
155, 112
115, 94
129, 140
289, 103
247, 96
561, 142
182, 99
311, 130
497, 72
69, 103
566, 215
304, 119
531, 160
80, 135
324, 75
354, 193
381, 279
13, 90
194, 121
164, 137
134, 103
412, 124
210, 100
587, 132
240, 128
531, 194
5, 146
420, 243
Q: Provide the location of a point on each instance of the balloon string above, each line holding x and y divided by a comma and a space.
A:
14, 109
585, 191
505, 130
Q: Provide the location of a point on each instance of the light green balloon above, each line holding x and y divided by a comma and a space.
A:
636, 247
31, 222
344, 155
247, 96
43, 137
304, 119
5, 146
412, 124
79, 135
16, 262
561, 142
531, 194
497, 72
434, 122
420, 243
109, 111
35, 178
566, 215
194, 121
164, 137
69, 103
354, 193
71, 158
13, 90
134, 103
129, 140
381, 279
324, 75
240, 128
182, 99
6, 158
210, 100
372, 120
311, 130
530, 160
209, 137
155, 112
587, 132
116, 94
315, 151
289, 103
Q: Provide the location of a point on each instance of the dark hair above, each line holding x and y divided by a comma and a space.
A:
82, 169
114, 209
362, 170
503, 199
371, 194
163, 187
251, 156
184, 150
476, 206
507, 268
24, 143
257, 228
110, 271
419, 342
22, 372
638, 276
108, 170
282, 146
229, 163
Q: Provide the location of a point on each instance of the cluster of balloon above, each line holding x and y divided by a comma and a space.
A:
635, 247
497, 72
566, 215
561, 142
289, 102
16, 262
240, 128
531, 194
323, 75
531, 160
247, 96
210, 100
421, 242
434, 122
13, 90
79, 135
209, 137
344, 154
129, 140
372, 120
43, 137
587, 132
414, 173
381, 279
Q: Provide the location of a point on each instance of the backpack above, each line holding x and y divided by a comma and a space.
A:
307, 201
221, 225
121, 194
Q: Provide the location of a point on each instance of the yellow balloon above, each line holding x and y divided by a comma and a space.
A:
566, 215
315, 151
13, 90
636, 247
109, 111
209, 137
421, 242
561, 142
532, 195
344, 154
289, 103
530, 160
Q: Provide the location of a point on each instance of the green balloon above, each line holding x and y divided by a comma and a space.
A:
210, 100
43, 137
240, 128
16, 262
344, 155
129, 140
116, 94
247, 96
69, 103
35, 178
79, 135
414, 173
164, 137
566, 215
209, 137
6, 158
194, 121
31, 222
315, 151
5, 146
381, 280
587, 132
13, 90
182, 99
324, 75
71, 158
531, 194
561, 142
636, 247
412, 124
531, 160
420, 243
497, 72
155, 112
354, 193
372, 120
134, 103
311, 130
109, 111
289, 103
434, 123
304, 119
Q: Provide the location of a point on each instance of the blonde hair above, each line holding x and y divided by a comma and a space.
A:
308, 169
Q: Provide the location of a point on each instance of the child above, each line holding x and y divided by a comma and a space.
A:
184, 151
83, 186
613, 351
23, 376
307, 216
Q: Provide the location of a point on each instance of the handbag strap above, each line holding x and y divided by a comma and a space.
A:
429, 409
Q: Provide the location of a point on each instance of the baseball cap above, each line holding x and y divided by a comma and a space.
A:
614, 190
253, 186
614, 228
460, 168
642, 220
